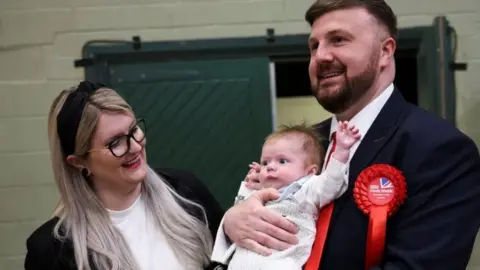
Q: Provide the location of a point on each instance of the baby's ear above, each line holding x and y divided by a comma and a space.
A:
312, 169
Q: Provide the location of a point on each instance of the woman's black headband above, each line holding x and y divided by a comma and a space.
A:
70, 115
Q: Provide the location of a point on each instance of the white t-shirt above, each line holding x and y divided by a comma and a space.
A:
148, 244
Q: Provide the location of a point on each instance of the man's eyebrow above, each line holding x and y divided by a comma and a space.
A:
335, 32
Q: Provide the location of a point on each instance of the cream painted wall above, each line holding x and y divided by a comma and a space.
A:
299, 110
39, 40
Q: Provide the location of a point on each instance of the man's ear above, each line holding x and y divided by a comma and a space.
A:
76, 162
388, 52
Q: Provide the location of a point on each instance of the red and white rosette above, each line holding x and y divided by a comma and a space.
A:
379, 191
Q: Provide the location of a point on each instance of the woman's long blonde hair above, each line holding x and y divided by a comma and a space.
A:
85, 221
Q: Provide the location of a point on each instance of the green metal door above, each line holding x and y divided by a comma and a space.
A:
436, 85
207, 116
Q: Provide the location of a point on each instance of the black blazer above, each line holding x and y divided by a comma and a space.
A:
436, 227
45, 252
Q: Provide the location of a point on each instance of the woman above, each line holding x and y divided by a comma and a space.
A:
115, 212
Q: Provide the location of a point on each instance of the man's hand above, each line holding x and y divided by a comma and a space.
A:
252, 226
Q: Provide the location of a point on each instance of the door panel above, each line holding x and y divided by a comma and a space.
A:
206, 116
436, 85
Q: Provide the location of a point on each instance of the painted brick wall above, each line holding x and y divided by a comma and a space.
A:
40, 39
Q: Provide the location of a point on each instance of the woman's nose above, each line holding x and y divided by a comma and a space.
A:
135, 146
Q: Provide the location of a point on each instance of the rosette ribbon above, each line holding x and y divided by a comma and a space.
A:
379, 191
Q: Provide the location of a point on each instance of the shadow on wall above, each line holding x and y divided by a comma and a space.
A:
295, 103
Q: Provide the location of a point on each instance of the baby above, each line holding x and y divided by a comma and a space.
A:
290, 161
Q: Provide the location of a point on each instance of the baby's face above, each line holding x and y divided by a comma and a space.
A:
283, 162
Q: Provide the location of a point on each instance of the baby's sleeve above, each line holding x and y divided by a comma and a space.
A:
243, 193
322, 189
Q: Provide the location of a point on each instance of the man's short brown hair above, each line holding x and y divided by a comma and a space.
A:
379, 9
308, 137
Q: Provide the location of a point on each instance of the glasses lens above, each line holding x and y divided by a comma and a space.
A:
119, 147
138, 132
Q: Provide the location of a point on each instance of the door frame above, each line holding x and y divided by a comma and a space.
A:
99, 54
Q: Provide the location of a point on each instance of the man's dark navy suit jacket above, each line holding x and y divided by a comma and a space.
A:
436, 227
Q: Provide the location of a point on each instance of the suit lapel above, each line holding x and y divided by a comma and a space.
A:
323, 129
384, 126
378, 134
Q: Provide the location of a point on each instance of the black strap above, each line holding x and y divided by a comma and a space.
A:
216, 266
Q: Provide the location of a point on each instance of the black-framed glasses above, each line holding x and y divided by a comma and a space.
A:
120, 145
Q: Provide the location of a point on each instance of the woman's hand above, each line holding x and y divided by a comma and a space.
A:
252, 226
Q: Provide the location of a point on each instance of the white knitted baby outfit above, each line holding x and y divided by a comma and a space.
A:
299, 202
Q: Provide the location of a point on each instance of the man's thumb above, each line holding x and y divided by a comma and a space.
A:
267, 194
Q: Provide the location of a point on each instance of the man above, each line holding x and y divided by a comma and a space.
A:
352, 45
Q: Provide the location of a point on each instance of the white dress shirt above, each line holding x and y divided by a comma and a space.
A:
363, 120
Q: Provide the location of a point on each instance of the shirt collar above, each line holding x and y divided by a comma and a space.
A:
292, 187
364, 119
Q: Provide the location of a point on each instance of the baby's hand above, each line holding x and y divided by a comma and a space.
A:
347, 135
253, 175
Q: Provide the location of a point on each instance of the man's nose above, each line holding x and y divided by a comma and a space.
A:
323, 54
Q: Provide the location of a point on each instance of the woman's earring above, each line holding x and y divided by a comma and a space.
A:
85, 172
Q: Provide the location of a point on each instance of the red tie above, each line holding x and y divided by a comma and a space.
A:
324, 217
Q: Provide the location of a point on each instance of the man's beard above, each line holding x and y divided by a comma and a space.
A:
352, 89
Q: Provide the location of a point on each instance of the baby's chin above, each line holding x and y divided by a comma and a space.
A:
274, 184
